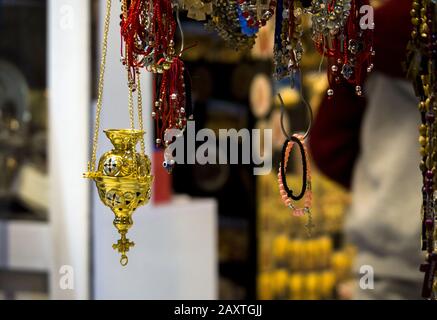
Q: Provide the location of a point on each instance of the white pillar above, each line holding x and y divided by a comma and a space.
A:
69, 110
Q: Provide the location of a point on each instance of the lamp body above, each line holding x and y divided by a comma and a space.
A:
123, 180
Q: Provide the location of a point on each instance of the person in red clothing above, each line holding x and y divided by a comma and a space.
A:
369, 145
335, 135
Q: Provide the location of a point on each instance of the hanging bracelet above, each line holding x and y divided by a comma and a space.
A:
286, 193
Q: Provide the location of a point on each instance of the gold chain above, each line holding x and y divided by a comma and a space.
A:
100, 86
132, 122
140, 115
92, 164
124, 8
131, 103
130, 84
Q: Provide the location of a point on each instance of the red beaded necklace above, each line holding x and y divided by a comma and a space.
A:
148, 29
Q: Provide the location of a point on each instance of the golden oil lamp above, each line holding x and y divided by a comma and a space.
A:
122, 176
123, 181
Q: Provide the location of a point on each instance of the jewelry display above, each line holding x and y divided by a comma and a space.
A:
337, 32
338, 35
148, 30
288, 48
422, 70
123, 175
238, 21
226, 22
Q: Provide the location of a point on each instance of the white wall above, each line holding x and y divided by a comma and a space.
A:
69, 110
174, 257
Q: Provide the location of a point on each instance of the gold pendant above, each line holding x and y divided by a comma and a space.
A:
124, 182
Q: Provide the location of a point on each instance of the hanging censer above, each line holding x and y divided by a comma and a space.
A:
123, 178
422, 70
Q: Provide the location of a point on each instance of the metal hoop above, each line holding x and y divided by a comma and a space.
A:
178, 20
124, 260
310, 111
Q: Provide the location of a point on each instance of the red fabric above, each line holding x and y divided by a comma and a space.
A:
335, 135
334, 139
392, 32
162, 184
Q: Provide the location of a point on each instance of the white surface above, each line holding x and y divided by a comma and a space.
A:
175, 253
69, 111
25, 245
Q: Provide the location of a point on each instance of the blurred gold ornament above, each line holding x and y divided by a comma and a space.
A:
435, 288
280, 283
296, 286
197, 9
265, 286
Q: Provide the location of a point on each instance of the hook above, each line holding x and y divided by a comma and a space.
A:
124, 260
178, 20
307, 105
282, 117
311, 117
323, 56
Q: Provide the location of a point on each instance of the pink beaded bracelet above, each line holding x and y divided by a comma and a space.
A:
307, 194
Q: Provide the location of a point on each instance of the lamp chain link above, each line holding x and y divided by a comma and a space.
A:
92, 166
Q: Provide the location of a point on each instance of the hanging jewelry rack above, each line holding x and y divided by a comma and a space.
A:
422, 70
